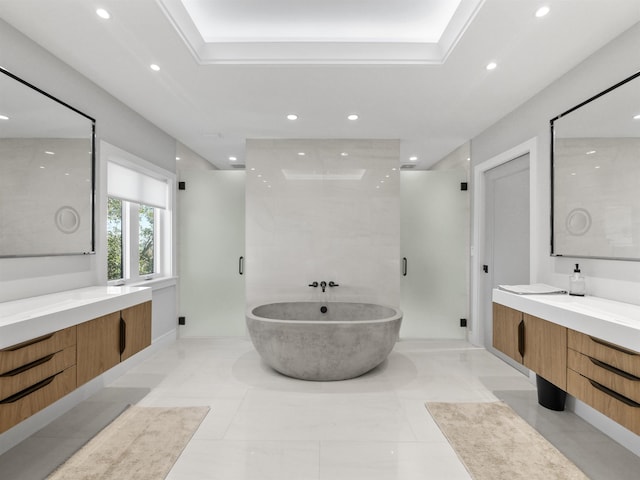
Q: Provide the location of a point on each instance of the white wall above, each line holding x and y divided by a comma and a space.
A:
323, 216
617, 280
27, 277
115, 123
528, 127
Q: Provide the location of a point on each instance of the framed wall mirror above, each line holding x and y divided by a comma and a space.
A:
47, 173
595, 176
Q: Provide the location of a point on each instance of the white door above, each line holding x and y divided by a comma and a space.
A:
211, 250
507, 236
435, 251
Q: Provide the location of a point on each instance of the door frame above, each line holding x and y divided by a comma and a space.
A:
476, 334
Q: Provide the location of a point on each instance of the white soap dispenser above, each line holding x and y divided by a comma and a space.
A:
577, 284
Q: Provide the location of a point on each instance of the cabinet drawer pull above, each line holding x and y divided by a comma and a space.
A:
615, 370
613, 394
521, 338
28, 366
123, 335
612, 346
28, 391
28, 343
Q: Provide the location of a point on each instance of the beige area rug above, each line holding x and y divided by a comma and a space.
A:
495, 443
142, 444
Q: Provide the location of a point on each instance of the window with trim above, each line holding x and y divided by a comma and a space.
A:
136, 211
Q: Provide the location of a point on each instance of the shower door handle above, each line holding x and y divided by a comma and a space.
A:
241, 265
405, 264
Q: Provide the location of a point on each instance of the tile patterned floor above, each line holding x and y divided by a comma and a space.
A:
264, 426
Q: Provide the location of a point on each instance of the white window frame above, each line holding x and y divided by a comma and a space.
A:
164, 219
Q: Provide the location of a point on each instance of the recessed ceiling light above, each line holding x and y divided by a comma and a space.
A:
102, 13
154, 67
48, 152
292, 116
413, 159
177, 158
597, 166
42, 166
353, 116
636, 117
301, 154
253, 169
590, 152
233, 159
4, 117
344, 154
542, 11
491, 66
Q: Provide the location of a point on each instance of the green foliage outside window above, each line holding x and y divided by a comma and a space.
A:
114, 239
146, 239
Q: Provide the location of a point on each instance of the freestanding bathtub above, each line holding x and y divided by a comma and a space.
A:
323, 341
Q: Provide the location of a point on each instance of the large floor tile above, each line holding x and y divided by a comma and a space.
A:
240, 460
390, 461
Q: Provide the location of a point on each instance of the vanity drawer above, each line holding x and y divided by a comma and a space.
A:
24, 377
22, 405
620, 382
613, 355
622, 410
27, 352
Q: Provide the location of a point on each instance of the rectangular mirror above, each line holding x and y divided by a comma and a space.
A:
595, 175
46, 173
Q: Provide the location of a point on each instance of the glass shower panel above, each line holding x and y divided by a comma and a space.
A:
211, 248
435, 244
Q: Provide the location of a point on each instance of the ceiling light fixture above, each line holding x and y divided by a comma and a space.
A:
344, 154
177, 158
636, 117
413, 159
590, 152
102, 13
48, 152
301, 154
154, 67
352, 116
292, 116
542, 11
4, 117
233, 159
491, 66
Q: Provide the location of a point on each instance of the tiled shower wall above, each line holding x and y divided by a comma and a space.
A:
323, 210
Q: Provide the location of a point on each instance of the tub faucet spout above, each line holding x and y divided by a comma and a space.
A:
323, 284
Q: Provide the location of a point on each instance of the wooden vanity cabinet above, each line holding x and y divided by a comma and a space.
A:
106, 341
539, 345
606, 377
136, 322
36, 373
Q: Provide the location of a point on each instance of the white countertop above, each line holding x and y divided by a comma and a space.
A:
22, 320
608, 320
